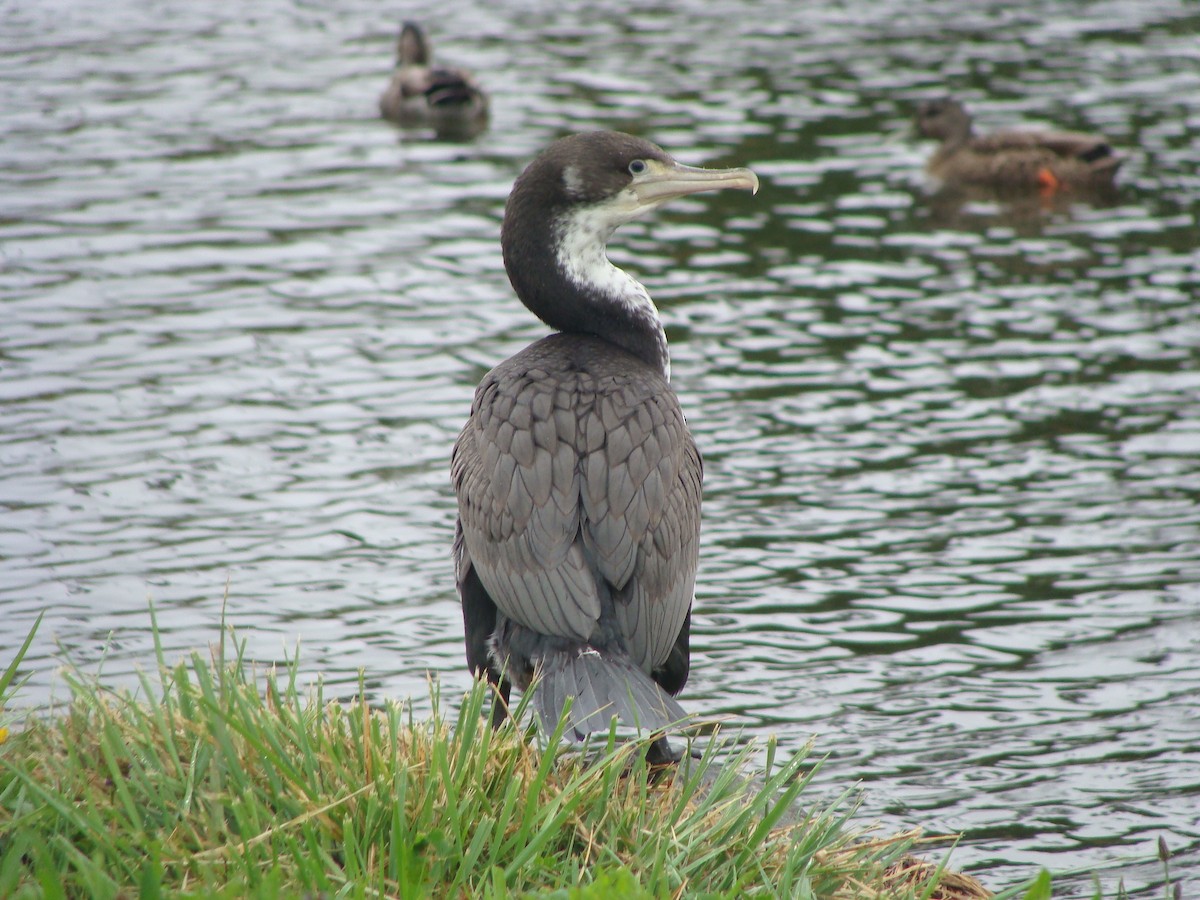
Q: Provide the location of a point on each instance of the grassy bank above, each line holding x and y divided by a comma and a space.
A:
231, 783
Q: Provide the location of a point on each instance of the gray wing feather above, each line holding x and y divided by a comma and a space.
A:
660, 593
518, 485
567, 475
645, 531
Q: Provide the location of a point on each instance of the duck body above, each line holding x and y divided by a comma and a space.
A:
422, 94
1043, 161
577, 479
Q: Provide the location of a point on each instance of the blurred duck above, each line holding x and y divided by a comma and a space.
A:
420, 94
1042, 161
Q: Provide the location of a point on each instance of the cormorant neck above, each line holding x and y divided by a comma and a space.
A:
558, 266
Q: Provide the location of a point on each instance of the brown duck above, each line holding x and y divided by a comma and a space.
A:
421, 94
1043, 161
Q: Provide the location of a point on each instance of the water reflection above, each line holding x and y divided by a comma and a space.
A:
951, 450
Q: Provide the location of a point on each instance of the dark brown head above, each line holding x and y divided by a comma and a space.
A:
585, 169
412, 49
943, 119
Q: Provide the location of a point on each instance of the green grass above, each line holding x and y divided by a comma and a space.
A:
220, 781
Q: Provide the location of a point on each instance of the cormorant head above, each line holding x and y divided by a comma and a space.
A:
618, 176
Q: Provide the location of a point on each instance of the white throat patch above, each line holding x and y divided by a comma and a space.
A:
582, 237
572, 181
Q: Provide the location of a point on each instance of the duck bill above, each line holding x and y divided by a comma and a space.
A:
666, 182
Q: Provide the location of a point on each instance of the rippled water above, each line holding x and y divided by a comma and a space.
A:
952, 449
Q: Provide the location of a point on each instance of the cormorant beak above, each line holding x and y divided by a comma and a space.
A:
664, 181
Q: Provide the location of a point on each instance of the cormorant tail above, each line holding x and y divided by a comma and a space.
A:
603, 685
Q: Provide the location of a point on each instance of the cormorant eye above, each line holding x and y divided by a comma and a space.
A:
637, 167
